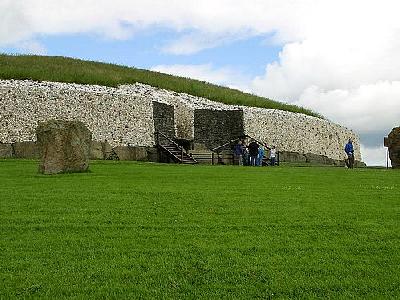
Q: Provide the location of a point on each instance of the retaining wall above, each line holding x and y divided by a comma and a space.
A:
129, 115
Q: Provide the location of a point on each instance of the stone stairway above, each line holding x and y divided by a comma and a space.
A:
178, 154
168, 147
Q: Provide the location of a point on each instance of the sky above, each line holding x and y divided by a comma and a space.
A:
338, 58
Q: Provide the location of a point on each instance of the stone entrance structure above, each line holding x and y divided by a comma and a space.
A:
64, 146
393, 143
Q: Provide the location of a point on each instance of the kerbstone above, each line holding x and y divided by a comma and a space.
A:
96, 150
6, 150
64, 146
26, 150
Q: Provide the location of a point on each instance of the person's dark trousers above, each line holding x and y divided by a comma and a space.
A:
346, 161
351, 161
272, 159
245, 159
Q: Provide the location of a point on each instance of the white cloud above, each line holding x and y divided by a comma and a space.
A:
375, 156
209, 20
367, 108
206, 72
32, 47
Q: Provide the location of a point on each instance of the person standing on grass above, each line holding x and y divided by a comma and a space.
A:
349, 149
253, 151
272, 156
245, 154
260, 157
238, 153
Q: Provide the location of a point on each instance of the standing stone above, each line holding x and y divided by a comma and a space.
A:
393, 143
64, 146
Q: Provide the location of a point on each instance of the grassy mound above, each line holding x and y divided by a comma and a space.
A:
152, 231
63, 69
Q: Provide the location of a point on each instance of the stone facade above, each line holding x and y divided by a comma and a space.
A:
216, 127
129, 115
163, 116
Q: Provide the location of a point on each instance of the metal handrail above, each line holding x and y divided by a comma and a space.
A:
241, 137
157, 133
167, 137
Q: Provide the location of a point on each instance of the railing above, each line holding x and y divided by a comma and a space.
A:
220, 148
216, 149
160, 135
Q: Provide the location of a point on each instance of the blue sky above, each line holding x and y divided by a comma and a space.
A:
248, 56
321, 54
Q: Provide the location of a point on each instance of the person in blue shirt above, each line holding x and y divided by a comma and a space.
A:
349, 149
261, 152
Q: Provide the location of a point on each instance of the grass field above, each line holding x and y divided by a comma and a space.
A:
141, 230
64, 69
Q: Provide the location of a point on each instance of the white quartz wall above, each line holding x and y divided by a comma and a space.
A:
298, 133
125, 115
110, 114
184, 106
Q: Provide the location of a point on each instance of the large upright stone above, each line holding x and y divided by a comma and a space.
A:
393, 143
64, 146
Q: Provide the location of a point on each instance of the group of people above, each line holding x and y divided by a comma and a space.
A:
252, 154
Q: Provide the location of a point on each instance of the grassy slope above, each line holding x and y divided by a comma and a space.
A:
169, 231
63, 69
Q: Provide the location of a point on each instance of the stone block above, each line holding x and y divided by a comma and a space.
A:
288, 156
96, 150
124, 152
393, 144
140, 153
107, 150
152, 154
6, 150
318, 159
26, 150
64, 146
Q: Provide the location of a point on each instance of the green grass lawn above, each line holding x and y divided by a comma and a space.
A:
69, 70
142, 230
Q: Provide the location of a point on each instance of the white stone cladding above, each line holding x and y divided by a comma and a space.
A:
110, 114
124, 115
298, 132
